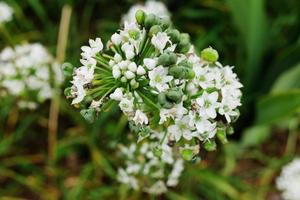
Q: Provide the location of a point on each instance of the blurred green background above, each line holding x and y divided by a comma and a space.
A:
261, 38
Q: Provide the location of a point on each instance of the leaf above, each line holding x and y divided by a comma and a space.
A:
255, 135
250, 19
277, 107
288, 80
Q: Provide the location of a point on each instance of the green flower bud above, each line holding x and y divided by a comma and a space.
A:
229, 130
209, 54
221, 135
150, 20
140, 17
174, 95
167, 59
88, 114
174, 35
187, 154
184, 43
154, 30
164, 23
176, 71
181, 72
157, 151
161, 98
67, 69
210, 145
67, 92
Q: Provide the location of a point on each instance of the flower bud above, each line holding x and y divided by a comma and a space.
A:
123, 79
67, 92
154, 30
88, 114
210, 145
174, 35
116, 73
187, 154
132, 67
116, 39
174, 95
150, 20
134, 84
209, 54
161, 98
140, 17
157, 151
167, 59
181, 72
164, 23
140, 71
184, 43
67, 69
129, 75
221, 135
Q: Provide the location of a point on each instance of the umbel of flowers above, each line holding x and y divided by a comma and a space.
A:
151, 70
147, 170
28, 73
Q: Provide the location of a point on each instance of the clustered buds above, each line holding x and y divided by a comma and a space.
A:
152, 71
29, 73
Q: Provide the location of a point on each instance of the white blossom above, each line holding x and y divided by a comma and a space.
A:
159, 78
160, 40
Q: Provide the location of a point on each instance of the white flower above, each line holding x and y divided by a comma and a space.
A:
176, 112
289, 180
160, 41
78, 92
129, 50
150, 63
116, 39
140, 118
83, 75
117, 94
204, 128
181, 128
159, 78
5, 13
126, 104
96, 44
208, 104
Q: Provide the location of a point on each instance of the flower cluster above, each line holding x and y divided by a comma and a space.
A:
5, 13
150, 7
29, 73
147, 168
160, 84
289, 180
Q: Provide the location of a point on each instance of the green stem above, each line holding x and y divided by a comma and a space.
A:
6, 35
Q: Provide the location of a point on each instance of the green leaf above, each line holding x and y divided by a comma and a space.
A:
255, 135
288, 80
277, 107
250, 19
